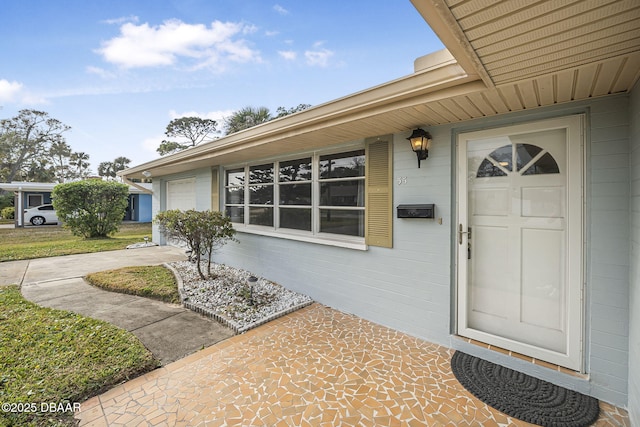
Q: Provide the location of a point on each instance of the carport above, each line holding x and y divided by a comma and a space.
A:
31, 194
28, 195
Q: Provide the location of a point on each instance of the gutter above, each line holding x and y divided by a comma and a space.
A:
133, 184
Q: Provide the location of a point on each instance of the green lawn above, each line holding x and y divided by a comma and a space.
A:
154, 281
57, 357
48, 241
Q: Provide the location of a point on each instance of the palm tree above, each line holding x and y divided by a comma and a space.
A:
120, 163
105, 169
80, 161
59, 152
109, 169
245, 118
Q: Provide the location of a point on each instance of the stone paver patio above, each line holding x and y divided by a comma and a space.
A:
314, 367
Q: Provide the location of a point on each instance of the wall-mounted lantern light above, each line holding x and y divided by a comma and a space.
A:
420, 143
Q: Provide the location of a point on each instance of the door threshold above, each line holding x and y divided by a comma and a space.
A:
523, 357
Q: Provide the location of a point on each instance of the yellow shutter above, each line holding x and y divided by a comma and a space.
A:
379, 183
215, 190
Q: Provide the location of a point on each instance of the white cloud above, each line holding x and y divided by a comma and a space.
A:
281, 10
101, 72
15, 93
289, 55
121, 20
9, 91
319, 58
154, 46
152, 143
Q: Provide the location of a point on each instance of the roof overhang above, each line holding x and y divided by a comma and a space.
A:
23, 186
349, 118
27, 186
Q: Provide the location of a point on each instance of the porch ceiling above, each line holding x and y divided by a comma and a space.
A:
503, 56
522, 39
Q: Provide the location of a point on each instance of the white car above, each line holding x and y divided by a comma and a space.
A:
43, 214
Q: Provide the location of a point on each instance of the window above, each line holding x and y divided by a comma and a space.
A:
294, 179
341, 179
261, 190
529, 159
314, 194
34, 200
234, 194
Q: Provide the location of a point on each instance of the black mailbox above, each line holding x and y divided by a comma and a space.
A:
416, 211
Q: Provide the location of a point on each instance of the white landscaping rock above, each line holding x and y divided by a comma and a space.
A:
225, 296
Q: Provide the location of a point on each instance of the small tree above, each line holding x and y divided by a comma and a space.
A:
91, 208
202, 231
191, 131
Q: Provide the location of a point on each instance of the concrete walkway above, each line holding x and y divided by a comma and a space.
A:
169, 331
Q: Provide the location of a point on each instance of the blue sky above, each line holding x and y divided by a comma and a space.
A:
118, 71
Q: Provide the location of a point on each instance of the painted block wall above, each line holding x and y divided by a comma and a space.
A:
159, 197
608, 248
157, 206
410, 287
634, 263
406, 288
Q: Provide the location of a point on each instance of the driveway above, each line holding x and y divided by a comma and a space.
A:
169, 331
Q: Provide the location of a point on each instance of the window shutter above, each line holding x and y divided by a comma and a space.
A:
379, 183
215, 190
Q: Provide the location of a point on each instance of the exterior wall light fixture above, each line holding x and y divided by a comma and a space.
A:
420, 143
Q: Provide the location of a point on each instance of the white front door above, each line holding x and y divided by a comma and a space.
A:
520, 238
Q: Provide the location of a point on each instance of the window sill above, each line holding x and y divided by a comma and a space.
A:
349, 244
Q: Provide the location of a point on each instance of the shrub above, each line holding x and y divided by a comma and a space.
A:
91, 208
202, 231
6, 200
8, 213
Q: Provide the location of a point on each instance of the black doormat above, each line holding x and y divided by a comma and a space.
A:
522, 396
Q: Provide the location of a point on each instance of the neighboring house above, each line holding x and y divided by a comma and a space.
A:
532, 257
32, 194
139, 208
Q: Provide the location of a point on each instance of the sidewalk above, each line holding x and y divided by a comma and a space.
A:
65, 267
169, 331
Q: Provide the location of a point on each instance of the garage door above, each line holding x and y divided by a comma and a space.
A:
181, 194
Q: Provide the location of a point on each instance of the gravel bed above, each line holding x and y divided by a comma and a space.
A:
235, 297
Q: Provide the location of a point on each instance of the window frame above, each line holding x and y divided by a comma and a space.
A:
314, 235
30, 204
280, 183
319, 207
